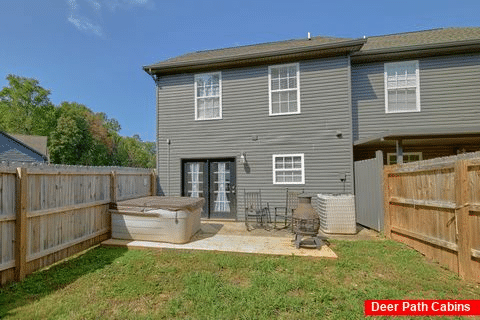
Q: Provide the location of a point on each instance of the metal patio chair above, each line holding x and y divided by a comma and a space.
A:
284, 214
256, 215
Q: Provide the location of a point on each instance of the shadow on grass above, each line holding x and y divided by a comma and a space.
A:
44, 282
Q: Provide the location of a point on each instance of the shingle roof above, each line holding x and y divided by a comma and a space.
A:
13, 155
39, 143
261, 48
393, 42
251, 53
421, 38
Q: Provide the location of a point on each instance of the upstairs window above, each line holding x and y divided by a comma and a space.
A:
208, 96
288, 169
284, 89
402, 87
407, 157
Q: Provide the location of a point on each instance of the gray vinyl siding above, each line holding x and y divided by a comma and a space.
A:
449, 96
325, 109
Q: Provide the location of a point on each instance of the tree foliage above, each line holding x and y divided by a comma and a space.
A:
135, 153
77, 135
25, 107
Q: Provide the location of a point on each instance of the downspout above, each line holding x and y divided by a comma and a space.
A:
168, 166
156, 126
350, 109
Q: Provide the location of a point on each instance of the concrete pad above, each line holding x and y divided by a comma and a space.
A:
233, 237
262, 245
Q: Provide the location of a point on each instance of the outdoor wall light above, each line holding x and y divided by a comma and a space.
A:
243, 158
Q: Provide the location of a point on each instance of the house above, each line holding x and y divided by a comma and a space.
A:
298, 113
38, 143
23, 148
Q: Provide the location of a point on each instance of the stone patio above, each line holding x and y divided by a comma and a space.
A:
233, 237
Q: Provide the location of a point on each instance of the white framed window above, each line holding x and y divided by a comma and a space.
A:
402, 87
288, 169
284, 89
407, 157
208, 96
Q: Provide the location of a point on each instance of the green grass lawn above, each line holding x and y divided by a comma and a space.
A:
115, 283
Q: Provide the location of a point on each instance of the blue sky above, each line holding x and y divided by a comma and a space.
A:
92, 51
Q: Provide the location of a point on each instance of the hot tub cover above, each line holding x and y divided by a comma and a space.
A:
163, 202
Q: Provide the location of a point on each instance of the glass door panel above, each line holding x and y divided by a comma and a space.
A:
222, 186
195, 183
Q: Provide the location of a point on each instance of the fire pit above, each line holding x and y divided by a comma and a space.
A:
306, 222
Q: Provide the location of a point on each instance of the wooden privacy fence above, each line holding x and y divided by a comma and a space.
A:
48, 213
434, 207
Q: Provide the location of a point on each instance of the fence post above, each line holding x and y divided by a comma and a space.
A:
113, 187
464, 236
381, 185
21, 224
153, 183
113, 198
386, 203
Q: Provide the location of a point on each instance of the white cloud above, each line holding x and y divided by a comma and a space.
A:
125, 4
73, 4
137, 1
96, 5
89, 22
84, 24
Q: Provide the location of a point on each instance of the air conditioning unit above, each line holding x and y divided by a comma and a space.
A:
336, 212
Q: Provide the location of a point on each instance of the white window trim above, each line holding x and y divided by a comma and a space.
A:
274, 170
419, 154
270, 113
417, 91
220, 95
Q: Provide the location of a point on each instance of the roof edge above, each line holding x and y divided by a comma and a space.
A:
417, 47
354, 44
425, 133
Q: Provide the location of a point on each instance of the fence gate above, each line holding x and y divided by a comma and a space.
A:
369, 192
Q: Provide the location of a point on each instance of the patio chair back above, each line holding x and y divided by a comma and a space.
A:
292, 199
284, 214
256, 215
253, 201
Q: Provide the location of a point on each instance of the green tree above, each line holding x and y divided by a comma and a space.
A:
65, 141
93, 136
71, 142
77, 136
25, 107
132, 152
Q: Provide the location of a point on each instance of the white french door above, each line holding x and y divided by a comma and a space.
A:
213, 180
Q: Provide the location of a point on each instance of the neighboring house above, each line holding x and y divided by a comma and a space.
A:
298, 113
23, 148
432, 83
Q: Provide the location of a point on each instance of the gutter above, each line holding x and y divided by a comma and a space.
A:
175, 67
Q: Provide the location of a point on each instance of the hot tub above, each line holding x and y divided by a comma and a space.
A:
161, 219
